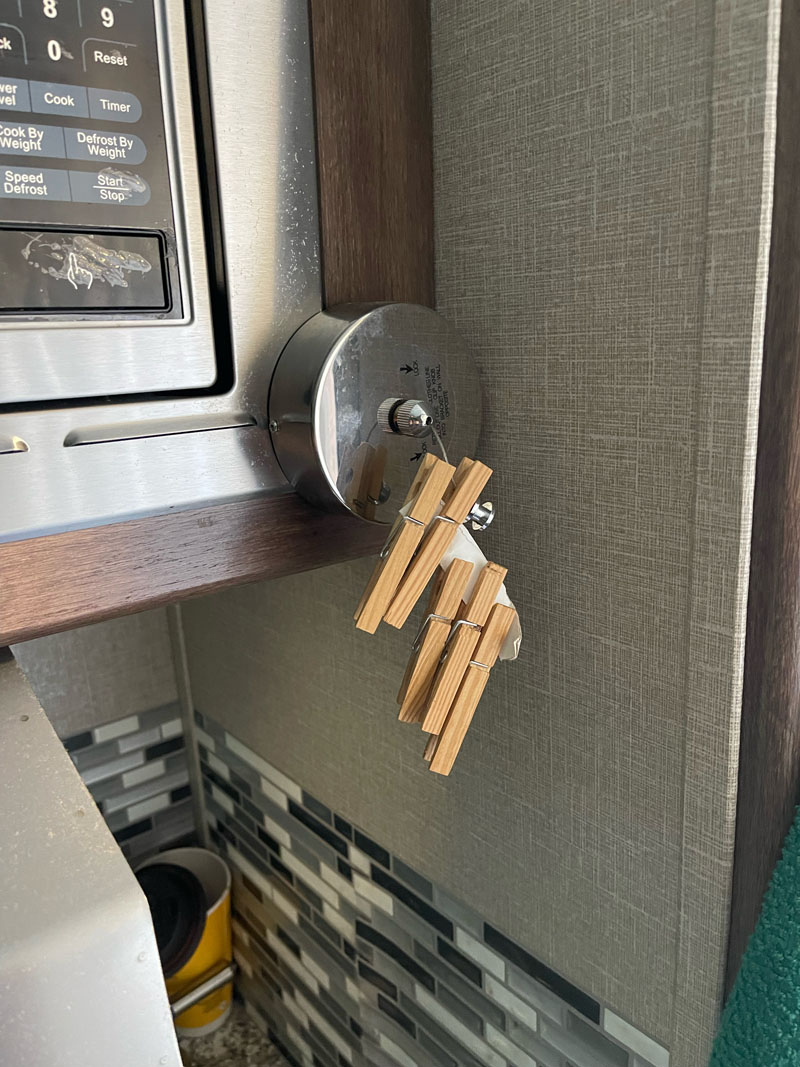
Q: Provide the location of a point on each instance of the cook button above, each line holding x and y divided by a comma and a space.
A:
26, 139
50, 98
109, 186
33, 183
114, 106
14, 95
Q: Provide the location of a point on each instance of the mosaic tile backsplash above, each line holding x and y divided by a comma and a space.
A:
137, 772
352, 957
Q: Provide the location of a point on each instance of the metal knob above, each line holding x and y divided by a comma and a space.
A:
481, 516
410, 418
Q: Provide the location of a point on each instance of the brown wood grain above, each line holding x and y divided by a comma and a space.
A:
374, 145
769, 767
54, 583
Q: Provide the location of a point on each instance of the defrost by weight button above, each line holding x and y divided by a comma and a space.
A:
105, 145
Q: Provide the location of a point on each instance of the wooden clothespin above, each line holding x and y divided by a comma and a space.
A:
364, 490
461, 643
423, 501
470, 479
442, 751
444, 605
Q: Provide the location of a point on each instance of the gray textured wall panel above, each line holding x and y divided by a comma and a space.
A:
603, 199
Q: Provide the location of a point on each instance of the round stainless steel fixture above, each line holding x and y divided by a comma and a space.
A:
360, 394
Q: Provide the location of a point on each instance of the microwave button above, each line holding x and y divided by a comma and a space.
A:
105, 146
109, 186
114, 106
12, 43
14, 94
26, 139
107, 56
23, 182
50, 98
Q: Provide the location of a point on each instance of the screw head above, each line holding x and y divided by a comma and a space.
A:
274, 426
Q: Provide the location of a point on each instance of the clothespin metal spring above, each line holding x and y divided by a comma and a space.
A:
390, 540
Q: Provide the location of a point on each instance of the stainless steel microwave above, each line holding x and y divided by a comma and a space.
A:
159, 244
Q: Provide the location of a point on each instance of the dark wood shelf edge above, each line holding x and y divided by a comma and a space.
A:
769, 760
55, 583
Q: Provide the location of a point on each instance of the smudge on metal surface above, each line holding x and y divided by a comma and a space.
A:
81, 260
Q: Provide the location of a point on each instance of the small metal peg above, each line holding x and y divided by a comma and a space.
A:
410, 418
383, 495
481, 516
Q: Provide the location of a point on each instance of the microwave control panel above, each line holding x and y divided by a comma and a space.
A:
86, 216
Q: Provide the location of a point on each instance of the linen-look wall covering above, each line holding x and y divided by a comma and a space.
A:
603, 183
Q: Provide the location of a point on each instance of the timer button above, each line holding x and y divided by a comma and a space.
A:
114, 106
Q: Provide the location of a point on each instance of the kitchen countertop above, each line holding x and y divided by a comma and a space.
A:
240, 1042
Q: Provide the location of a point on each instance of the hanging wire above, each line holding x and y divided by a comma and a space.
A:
440, 443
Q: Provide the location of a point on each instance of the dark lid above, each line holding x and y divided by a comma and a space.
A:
178, 907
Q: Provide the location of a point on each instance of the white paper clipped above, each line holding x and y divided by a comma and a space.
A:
464, 546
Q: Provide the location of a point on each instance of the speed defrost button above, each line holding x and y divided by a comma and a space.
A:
33, 183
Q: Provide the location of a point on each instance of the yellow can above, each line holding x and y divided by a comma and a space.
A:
214, 948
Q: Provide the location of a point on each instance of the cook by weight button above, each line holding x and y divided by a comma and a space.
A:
14, 94
29, 139
33, 183
51, 98
114, 106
